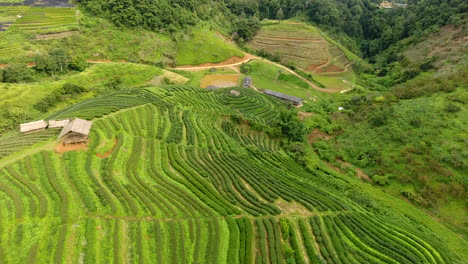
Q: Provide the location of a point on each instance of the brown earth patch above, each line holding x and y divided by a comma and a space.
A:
62, 148
291, 207
317, 134
220, 80
59, 35
304, 115
312, 67
230, 61
359, 173
99, 61
290, 38
330, 68
108, 153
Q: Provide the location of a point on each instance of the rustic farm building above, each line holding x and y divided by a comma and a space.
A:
33, 126
58, 123
76, 131
247, 82
295, 100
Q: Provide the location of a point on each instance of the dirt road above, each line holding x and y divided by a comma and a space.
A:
249, 57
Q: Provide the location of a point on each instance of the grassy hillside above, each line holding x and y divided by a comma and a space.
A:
203, 45
409, 135
308, 49
42, 29
268, 76
180, 174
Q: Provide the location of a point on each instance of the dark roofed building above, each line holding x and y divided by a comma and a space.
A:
76, 131
295, 100
247, 82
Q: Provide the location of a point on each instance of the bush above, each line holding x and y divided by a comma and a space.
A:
16, 73
452, 108
70, 88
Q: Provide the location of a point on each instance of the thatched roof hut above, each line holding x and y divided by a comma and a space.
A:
295, 100
33, 126
76, 131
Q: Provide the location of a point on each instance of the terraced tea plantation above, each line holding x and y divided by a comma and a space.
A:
47, 20
304, 47
179, 175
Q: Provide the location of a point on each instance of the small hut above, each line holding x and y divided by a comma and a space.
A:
58, 123
247, 82
33, 126
76, 131
297, 101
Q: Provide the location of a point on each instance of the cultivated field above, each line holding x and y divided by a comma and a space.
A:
47, 20
220, 80
304, 47
169, 177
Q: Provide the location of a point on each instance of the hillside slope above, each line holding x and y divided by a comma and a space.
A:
409, 134
183, 175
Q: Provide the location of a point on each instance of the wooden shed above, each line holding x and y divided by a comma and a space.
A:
76, 131
295, 100
33, 126
58, 123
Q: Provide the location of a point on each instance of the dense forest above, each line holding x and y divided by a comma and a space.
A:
360, 23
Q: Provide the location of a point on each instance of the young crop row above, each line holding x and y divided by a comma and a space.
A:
252, 105
103, 105
251, 137
18, 142
45, 19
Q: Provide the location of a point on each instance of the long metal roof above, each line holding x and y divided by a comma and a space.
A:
294, 99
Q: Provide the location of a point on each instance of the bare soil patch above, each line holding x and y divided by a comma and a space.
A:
59, 35
292, 207
220, 80
304, 115
312, 67
359, 173
330, 68
317, 134
62, 148
108, 153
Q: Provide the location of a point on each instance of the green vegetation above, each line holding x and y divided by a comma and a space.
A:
184, 164
203, 45
22, 102
268, 76
178, 174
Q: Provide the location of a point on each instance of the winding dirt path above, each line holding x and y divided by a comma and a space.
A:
249, 57
229, 63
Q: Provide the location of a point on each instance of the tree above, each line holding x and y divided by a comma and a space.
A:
291, 126
280, 14
78, 63
59, 60
42, 62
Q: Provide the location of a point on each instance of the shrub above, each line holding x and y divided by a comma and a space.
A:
70, 88
16, 73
